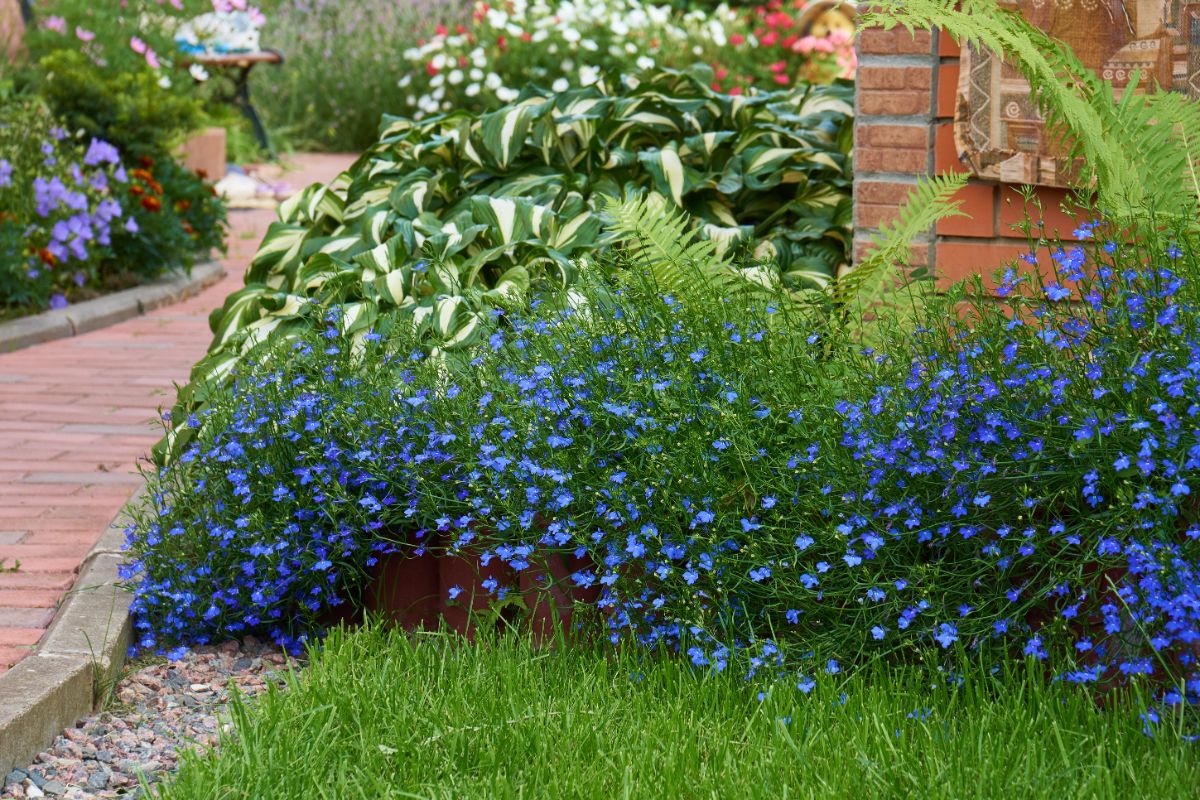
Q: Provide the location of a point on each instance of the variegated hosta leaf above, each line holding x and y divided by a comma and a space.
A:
448, 214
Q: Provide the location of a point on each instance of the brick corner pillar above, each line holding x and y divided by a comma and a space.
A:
904, 128
894, 129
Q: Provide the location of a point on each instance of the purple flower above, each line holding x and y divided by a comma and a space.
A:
100, 152
6, 171
58, 301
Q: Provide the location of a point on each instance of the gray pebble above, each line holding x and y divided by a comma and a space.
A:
54, 788
97, 780
16, 776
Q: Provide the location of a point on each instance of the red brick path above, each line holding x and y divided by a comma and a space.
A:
77, 414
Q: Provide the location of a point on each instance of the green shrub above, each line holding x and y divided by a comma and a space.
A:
125, 107
446, 216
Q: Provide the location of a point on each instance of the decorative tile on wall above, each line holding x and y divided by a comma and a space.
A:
997, 129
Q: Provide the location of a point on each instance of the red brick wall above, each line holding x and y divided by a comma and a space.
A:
904, 129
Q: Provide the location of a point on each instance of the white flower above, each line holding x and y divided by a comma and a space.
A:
438, 93
560, 85
571, 35
645, 62
198, 72
493, 81
589, 45
630, 48
164, 82
476, 74
588, 75
405, 81
439, 61
437, 80
455, 76
472, 89
506, 95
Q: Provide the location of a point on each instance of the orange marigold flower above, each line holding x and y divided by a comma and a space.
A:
151, 204
47, 257
136, 190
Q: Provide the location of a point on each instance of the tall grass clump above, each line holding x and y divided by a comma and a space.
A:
378, 715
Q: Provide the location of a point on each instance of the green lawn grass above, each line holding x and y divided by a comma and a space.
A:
382, 715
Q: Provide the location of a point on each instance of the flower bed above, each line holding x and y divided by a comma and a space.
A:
80, 219
752, 492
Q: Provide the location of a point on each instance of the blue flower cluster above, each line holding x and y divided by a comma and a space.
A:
1016, 478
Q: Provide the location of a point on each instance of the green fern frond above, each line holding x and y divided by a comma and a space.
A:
929, 201
660, 246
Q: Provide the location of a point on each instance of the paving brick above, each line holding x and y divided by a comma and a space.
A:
17, 636
29, 598
78, 413
10, 656
26, 618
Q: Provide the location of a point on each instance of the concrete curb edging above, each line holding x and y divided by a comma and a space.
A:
78, 658
108, 310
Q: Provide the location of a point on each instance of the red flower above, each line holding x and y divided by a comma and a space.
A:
502, 43
430, 68
441, 30
782, 79
737, 38
769, 39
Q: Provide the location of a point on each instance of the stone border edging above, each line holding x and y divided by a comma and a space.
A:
108, 310
78, 658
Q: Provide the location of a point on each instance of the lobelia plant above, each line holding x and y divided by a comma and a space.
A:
759, 497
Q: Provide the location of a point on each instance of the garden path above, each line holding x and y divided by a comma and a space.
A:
77, 414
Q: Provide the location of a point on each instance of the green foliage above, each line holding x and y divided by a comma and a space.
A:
127, 108
433, 717
446, 216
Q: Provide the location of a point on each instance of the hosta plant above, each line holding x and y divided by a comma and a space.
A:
449, 215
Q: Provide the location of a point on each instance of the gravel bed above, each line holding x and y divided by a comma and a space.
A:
156, 711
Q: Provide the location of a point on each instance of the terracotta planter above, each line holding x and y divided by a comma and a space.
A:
415, 592
204, 153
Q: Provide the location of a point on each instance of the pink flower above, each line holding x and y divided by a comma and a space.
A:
56, 24
137, 45
152, 58
83, 34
